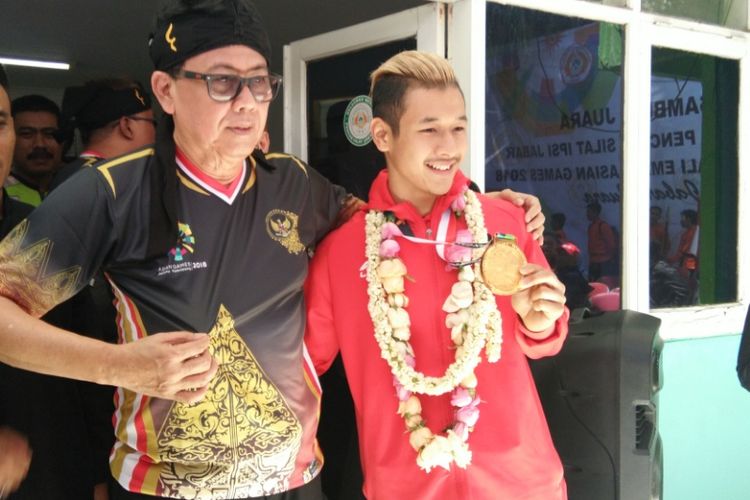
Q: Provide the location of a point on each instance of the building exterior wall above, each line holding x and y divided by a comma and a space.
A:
703, 421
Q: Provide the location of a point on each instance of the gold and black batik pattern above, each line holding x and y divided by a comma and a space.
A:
241, 440
23, 273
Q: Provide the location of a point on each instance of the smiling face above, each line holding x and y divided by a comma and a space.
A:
216, 136
425, 154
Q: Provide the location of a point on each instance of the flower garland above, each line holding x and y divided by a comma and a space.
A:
472, 317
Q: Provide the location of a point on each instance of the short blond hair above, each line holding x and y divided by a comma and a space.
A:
406, 70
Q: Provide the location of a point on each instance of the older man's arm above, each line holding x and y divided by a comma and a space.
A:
174, 365
532, 207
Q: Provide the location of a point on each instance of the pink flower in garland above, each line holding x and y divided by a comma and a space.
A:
389, 249
461, 430
409, 360
389, 231
459, 204
401, 392
461, 397
469, 414
459, 253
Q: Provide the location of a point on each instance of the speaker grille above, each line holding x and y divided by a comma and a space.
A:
645, 426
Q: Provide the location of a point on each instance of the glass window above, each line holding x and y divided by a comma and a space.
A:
618, 3
694, 175
730, 13
554, 129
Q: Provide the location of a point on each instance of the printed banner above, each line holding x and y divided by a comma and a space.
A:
554, 129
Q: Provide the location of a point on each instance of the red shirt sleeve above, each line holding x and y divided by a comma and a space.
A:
320, 334
547, 343
537, 345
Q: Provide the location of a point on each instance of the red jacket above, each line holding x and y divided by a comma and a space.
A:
683, 253
602, 244
513, 454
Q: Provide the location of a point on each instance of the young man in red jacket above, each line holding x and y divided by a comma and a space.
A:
400, 291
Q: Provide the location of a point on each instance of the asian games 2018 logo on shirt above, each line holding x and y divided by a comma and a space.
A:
185, 243
177, 255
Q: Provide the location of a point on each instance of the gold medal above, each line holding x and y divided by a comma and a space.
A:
501, 264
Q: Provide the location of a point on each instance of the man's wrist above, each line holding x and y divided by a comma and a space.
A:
537, 333
110, 368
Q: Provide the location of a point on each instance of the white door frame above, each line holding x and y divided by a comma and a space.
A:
426, 23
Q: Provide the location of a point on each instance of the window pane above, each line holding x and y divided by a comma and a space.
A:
694, 174
554, 129
730, 13
618, 3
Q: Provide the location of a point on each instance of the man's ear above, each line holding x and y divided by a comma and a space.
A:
125, 127
162, 85
382, 135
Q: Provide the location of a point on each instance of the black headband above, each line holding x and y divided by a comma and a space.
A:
183, 36
89, 107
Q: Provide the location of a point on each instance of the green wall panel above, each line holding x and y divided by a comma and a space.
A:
704, 421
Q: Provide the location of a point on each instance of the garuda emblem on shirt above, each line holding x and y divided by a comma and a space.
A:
282, 227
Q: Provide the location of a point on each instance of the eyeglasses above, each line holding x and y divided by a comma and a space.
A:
142, 119
224, 88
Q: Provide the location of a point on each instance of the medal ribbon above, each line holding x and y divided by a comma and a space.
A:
440, 238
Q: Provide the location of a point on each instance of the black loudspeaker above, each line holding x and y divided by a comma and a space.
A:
600, 396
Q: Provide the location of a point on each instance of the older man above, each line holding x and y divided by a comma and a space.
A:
197, 234
15, 454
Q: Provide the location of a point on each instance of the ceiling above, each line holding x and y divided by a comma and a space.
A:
106, 38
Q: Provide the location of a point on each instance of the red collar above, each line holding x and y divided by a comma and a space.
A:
227, 190
90, 153
382, 199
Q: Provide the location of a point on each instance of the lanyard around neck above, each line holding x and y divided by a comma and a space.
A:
439, 240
